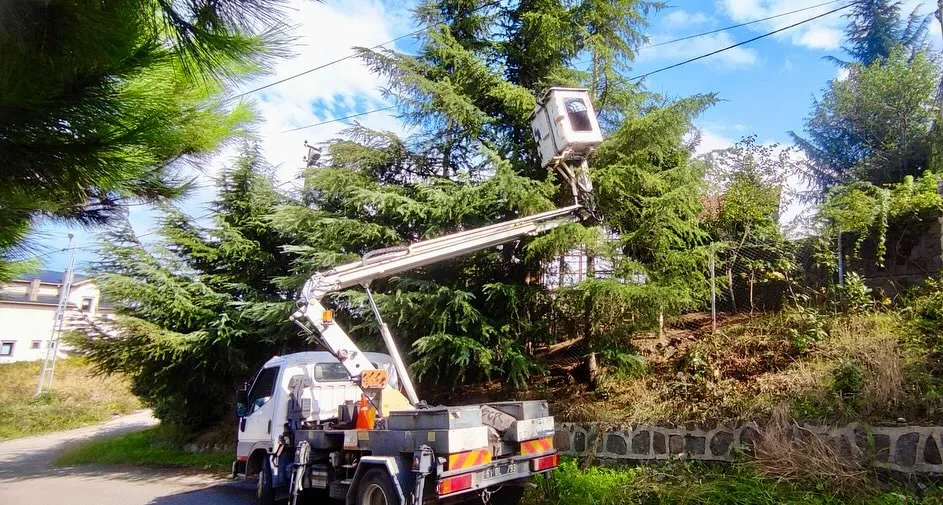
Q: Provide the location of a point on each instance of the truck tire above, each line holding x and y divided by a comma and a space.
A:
375, 488
507, 495
265, 490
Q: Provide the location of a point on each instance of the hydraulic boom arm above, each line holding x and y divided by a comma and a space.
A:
311, 315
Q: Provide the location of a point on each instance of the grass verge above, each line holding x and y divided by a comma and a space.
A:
78, 398
698, 484
156, 447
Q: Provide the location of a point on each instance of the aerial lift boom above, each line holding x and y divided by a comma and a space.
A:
566, 131
318, 322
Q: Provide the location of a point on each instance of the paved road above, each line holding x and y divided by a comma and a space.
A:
28, 477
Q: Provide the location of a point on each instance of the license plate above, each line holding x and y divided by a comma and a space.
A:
502, 469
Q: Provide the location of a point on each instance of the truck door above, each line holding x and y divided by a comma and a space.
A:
259, 422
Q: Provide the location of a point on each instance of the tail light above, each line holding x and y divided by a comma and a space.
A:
544, 463
455, 484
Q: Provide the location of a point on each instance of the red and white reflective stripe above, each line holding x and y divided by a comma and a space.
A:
544, 463
468, 459
455, 484
537, 446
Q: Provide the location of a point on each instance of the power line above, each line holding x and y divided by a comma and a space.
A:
340, 119
685, 62
349, 56
731, 27
319, 67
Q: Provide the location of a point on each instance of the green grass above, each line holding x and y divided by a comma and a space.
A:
156, 447
698, 484
77, 399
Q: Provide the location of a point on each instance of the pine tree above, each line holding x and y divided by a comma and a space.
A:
876, 28
200, 310
99, 100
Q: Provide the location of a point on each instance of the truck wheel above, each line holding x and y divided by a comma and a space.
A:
265, 491
376, 489
507, 495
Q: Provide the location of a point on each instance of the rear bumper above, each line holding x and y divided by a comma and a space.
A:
509, 471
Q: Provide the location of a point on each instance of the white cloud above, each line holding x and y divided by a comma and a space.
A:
736, 57
328, 31
684, 19
712, 141
824, 33
841, 74
821, 38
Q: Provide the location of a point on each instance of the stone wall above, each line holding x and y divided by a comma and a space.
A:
908, 449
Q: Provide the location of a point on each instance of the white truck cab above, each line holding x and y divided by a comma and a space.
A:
324, 385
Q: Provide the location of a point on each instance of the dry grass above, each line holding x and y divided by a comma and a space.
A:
77, 399
745, 370
872, 342
788, 452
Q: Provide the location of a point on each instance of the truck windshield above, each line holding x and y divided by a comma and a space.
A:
330, 372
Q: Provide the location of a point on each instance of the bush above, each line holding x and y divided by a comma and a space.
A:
853, 295
847, 380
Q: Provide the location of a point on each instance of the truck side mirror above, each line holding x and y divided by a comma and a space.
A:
242, 401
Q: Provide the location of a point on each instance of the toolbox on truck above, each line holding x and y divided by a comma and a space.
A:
437, 418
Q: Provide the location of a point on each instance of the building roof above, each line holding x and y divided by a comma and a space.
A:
51, 277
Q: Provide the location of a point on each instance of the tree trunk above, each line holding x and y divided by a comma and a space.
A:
733, 299
592, 367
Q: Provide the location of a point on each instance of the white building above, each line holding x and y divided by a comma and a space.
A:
28, 310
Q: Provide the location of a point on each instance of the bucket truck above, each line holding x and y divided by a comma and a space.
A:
349, 425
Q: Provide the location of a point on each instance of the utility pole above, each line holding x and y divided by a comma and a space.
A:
52, 349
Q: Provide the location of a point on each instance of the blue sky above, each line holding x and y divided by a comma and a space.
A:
766, 87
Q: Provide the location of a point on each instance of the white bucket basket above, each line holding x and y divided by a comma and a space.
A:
564, 124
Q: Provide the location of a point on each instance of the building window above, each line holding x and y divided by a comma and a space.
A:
6, 348
36, 344
87, 304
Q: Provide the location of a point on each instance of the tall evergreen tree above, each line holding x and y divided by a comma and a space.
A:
875, 29
200, 310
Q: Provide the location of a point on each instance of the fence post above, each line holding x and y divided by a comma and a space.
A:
841, 262
713, 293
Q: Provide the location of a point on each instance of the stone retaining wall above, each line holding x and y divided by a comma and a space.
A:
908, 449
